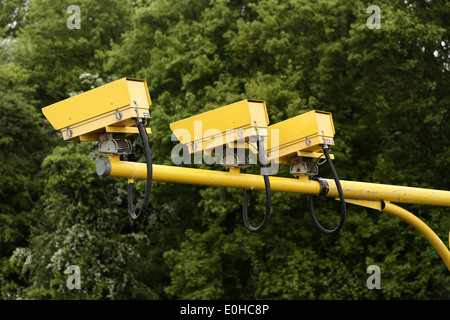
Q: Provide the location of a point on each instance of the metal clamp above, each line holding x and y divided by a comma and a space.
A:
304, 165
324, 187
114, 143
235, 157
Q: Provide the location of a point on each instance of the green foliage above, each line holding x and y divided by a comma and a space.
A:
83, 226
21, 135
59, 55
386, 88
12, 16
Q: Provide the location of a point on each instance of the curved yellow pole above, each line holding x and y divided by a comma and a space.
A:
412, 220
420, 226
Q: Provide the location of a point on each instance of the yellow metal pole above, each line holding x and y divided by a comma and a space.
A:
372, 195
236, 179
412, 220
393, 193
231, 179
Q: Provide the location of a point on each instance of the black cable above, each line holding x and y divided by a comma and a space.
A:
268, 194
341, 198
148, 188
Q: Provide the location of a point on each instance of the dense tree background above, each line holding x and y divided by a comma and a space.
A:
387, 89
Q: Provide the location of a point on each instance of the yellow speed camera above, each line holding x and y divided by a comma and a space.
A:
110, 108
225, 125
108, 114
301, 136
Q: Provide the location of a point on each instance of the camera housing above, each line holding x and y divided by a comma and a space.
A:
230, 127
301, 136
111, 108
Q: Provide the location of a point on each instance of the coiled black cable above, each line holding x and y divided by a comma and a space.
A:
341, 198
268, 194
148, 188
